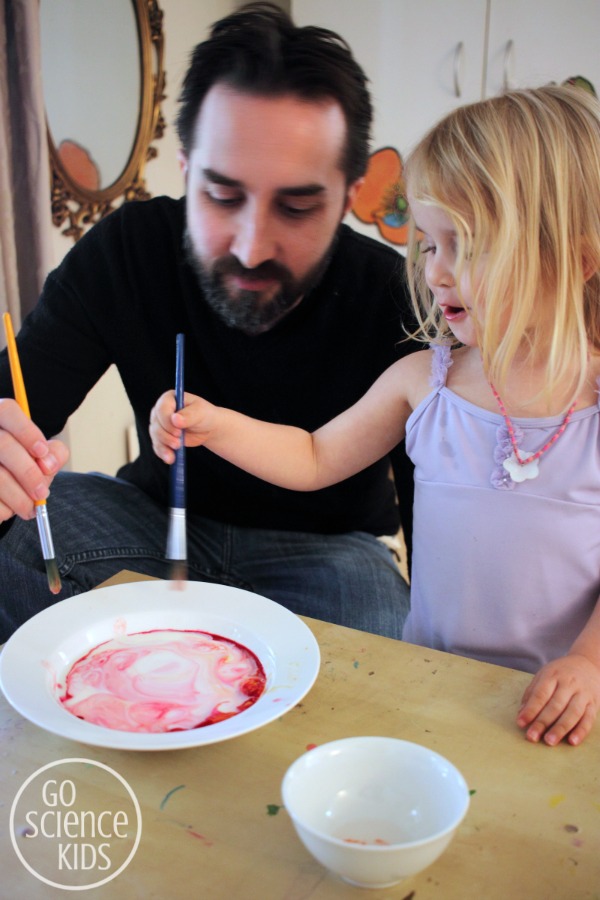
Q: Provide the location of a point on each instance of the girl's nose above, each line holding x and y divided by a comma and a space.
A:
439, 271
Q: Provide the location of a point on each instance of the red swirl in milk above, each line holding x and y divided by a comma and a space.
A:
163, 680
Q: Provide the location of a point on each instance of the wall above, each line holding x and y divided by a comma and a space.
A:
96, 432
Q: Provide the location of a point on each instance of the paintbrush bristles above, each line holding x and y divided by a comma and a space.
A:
178, 574
43, 524
177, 546
52, 575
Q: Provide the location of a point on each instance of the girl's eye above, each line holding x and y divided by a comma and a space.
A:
426, 248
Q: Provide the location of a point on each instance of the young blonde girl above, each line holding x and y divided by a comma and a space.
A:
500, 414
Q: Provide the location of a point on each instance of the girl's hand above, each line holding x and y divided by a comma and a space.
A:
198, 419
562, 700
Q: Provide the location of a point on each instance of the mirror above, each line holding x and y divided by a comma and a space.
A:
103, 77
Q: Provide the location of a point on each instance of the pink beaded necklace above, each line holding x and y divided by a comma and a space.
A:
522, 467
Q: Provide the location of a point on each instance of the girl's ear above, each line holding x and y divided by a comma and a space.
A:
590, 264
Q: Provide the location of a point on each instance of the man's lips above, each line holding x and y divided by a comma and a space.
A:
252, 282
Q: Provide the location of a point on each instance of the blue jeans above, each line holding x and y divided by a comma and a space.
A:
101, 525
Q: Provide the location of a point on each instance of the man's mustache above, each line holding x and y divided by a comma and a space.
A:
268, 270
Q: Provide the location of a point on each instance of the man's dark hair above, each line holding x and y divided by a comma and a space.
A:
259, 50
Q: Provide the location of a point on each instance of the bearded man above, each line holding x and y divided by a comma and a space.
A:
288, 316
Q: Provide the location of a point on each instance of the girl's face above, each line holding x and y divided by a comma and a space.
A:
439, 245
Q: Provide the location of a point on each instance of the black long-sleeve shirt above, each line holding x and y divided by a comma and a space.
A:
125, 290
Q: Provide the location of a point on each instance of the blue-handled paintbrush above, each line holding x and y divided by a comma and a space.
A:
177, 537
41, 513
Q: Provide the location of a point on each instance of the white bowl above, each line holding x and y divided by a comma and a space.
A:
37, 658
374, 810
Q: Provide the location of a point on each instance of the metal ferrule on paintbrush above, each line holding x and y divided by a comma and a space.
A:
43, 524
177, 535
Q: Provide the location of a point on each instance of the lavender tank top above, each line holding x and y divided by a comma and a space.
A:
502, 572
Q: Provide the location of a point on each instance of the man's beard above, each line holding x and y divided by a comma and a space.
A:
247, 311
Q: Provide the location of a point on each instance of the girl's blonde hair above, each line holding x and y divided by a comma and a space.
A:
519, 176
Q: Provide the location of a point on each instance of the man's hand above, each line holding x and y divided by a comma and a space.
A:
28, 462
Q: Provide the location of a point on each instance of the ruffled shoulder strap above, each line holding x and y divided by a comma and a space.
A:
440, 363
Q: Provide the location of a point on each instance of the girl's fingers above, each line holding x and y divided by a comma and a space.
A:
583, 727
535, 699
564, 713
568, 723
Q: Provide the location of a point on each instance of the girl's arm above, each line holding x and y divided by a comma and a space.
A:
564, 697
288, 456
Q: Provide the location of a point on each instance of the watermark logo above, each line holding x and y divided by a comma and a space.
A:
75, 824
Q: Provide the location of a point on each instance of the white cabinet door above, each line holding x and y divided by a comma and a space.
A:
409, 49
532, 42
422, 58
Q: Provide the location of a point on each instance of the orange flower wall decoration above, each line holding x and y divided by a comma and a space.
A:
381, 199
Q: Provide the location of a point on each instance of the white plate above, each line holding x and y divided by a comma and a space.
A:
40, 653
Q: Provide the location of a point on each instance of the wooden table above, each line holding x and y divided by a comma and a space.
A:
214, 827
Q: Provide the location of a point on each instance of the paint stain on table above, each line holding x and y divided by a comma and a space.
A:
169, 794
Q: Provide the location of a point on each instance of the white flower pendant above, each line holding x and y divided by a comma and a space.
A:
522, 471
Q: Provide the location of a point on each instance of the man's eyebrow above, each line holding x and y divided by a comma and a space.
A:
218, 178
302, 190
298, 190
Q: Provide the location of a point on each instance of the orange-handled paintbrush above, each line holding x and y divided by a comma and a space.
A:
41, 512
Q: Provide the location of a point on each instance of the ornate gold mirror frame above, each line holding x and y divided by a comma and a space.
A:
80, 206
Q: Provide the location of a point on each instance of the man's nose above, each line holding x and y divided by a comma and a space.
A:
254, 241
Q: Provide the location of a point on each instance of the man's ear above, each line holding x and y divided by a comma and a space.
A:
183, 162
352, 193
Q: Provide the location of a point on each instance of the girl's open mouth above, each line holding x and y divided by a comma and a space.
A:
453, 312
